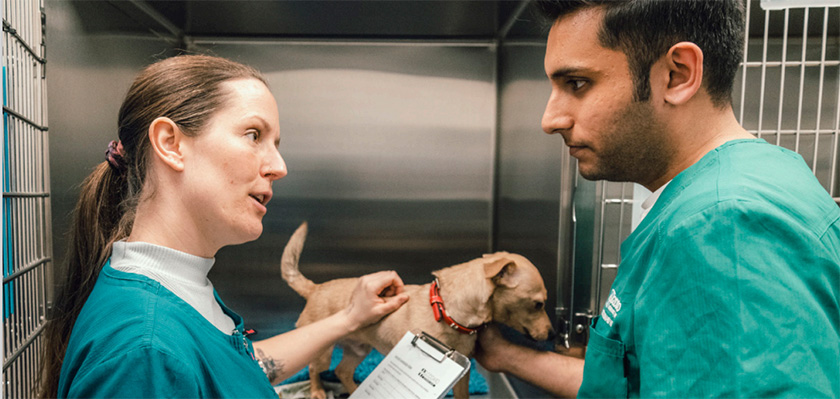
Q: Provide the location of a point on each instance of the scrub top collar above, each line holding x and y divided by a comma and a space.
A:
650, 200
684, 178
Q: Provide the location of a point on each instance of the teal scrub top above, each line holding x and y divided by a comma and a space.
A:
729, 286
136, 339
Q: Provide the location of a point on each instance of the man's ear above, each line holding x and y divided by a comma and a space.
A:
166, 140
684, 65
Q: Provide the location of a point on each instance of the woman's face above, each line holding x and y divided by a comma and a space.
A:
230, 165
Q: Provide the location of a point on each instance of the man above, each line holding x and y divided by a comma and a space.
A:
729, 285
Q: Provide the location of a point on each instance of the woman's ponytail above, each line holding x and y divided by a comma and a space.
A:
97, 220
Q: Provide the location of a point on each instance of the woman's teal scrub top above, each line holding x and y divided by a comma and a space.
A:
729, 287
136, 339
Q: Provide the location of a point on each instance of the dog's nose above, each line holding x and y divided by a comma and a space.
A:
549, 336
529, 335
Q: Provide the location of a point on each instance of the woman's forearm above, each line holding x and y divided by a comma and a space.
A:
375, 296
285, 354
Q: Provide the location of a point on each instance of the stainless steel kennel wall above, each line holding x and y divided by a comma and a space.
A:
27, 234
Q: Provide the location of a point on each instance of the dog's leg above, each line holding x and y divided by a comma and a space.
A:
321, 363
354, 354
462, 387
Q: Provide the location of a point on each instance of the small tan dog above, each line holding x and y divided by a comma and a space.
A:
500, 287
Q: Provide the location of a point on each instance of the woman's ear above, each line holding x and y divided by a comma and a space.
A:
684, 64
165, 137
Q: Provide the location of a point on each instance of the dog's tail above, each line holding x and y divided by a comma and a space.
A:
289, 263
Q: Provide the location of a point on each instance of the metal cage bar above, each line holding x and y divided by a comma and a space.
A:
26, 224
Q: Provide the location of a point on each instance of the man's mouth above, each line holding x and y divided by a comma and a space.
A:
575, 149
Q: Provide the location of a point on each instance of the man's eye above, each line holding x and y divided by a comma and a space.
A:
253, 134
576, 84
539, 305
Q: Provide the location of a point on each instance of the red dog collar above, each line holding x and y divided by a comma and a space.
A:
440, 313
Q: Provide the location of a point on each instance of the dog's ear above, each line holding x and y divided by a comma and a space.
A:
500, 271
500, 253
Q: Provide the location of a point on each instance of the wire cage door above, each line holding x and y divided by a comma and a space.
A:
27, 236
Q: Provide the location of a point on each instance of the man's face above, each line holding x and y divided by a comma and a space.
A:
592, 107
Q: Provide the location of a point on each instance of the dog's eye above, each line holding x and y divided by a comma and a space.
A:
539, 305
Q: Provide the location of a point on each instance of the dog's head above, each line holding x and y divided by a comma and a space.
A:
519, 294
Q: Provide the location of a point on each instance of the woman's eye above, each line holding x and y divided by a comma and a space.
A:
253, 134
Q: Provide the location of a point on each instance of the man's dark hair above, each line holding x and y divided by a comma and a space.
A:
644, 30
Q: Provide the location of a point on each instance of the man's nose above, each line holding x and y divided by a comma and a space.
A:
556, 118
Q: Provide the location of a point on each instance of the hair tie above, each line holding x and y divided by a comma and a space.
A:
114, 156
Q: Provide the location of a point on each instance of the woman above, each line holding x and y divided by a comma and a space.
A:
191, 173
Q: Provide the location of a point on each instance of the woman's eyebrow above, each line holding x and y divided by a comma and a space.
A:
260, 119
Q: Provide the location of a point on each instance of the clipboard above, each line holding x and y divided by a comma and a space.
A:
419, 367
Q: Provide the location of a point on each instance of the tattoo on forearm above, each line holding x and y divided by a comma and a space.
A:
269, 366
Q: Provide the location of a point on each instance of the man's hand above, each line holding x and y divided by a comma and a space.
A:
491, 349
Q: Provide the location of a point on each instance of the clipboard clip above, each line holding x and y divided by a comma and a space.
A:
433, 342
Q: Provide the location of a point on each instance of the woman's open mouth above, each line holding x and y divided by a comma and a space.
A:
260, 198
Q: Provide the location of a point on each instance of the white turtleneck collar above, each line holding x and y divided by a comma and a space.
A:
183, 274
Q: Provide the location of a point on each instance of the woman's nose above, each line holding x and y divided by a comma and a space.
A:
275, 167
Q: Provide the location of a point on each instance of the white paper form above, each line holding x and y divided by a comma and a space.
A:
414, 369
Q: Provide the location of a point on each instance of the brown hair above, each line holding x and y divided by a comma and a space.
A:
186, 89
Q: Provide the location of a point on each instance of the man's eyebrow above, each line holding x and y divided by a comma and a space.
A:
564, 72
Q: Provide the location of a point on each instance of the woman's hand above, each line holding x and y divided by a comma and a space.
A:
375, 296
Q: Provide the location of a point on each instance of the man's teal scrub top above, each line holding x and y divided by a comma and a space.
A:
729, 286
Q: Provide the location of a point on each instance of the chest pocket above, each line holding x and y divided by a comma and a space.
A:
603, 370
